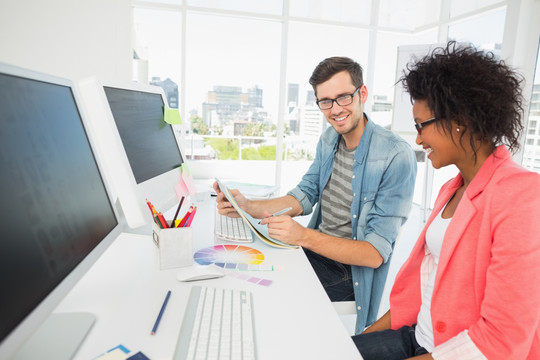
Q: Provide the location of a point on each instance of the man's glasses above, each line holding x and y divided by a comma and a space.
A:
420, 126
343, 100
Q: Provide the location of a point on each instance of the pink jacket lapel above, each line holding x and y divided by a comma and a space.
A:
466, 209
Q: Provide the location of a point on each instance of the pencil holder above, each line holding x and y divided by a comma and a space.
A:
173, 247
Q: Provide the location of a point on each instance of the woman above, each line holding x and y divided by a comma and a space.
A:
470, 288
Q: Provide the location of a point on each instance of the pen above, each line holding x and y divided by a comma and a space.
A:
280, 212
154, 329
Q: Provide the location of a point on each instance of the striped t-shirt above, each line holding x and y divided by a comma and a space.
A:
337, 195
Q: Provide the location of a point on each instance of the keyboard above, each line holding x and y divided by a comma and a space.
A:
232, 229
217, 324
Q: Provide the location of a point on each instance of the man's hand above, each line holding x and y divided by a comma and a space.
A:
224, 206
284, 229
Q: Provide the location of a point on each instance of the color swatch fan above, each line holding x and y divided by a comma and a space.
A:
222, 255
235, 257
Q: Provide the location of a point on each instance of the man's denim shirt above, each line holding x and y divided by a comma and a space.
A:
383, 186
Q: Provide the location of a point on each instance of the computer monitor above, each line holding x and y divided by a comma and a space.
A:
141, 151
56, 216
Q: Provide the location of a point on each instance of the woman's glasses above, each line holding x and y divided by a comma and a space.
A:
420, 126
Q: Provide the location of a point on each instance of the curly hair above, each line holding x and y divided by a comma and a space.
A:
472, 88
333, 65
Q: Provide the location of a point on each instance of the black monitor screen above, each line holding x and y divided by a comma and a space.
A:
54, 207
149, 141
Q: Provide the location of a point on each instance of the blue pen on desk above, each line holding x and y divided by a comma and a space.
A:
280, 212
154, 329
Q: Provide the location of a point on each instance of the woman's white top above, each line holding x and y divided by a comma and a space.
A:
434, 240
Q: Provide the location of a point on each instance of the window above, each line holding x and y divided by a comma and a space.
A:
485, 30
531, 151
245, 67
408, 15
157, 50
232, 94
346, 11
259, 6
459, 7
304, 121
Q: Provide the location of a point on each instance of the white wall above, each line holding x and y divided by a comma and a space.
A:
68, 38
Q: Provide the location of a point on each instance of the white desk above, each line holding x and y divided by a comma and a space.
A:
294, 319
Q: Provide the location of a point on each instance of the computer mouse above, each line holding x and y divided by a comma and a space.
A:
199, 272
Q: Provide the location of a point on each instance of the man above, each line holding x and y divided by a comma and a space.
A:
362, 181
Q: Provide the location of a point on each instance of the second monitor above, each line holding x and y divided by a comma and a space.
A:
141, 153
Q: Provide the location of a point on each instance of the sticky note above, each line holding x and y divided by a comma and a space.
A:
186, 177
172, 116
181, 189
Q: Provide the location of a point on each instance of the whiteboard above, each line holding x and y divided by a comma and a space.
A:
402, 118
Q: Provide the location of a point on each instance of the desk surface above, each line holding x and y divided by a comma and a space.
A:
294, 319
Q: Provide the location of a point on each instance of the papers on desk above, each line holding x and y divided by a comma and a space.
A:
261, 231
253, 191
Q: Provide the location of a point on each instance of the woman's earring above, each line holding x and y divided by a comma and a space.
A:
457, 129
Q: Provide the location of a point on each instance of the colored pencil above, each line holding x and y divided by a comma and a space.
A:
177, 211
